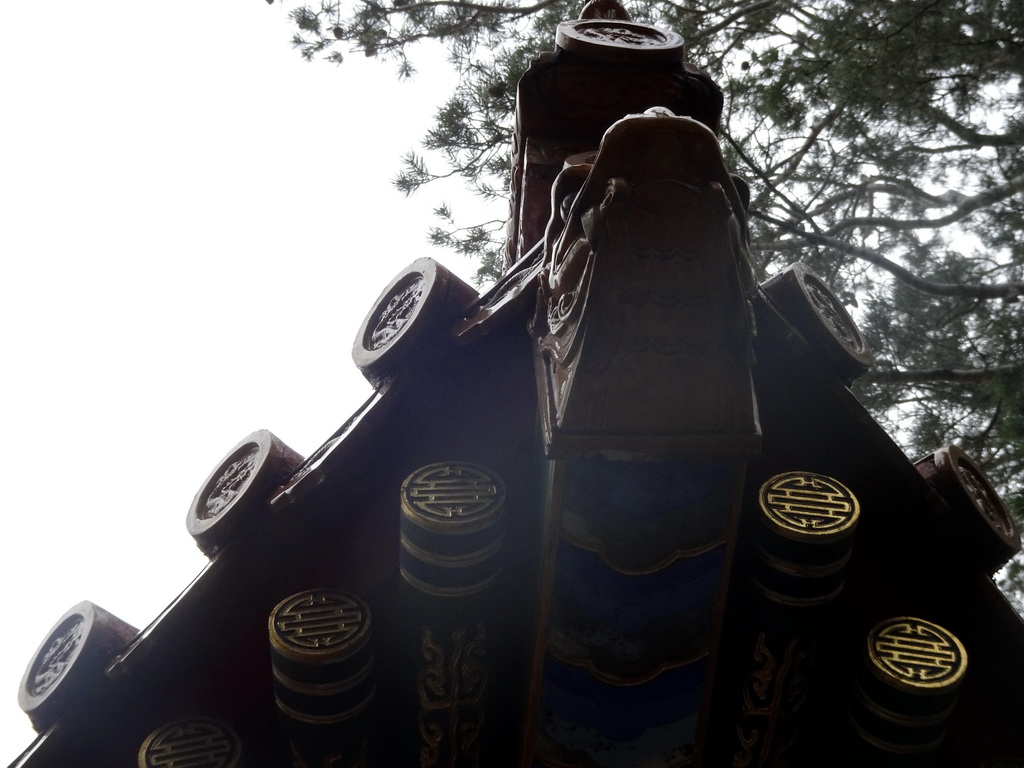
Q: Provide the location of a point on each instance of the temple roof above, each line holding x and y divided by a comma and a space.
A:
623, 509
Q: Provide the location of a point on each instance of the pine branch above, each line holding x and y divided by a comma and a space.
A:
1009, 290
888, 185
971, 136
777, 246
482, 8
795, 208
967, 206
793, 162
933, 375
736, 15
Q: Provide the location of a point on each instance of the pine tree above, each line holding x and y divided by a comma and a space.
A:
882, 141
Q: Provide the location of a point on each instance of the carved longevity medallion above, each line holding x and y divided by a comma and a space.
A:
194, 743
916, 654
324, 683
903, 699
808, 504
452, 529
448, 493
806, 538
322, 621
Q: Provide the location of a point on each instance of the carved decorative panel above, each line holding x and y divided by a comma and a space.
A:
451, 684
640, 517
637, 577
773, 696
646, 337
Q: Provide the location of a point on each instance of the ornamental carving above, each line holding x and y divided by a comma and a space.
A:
58, 656
983, 496
773, 695
566, 101
389, 319
647, 327
237, 492
335, 759
69, 665
509, 296
618, 38
231, 482
450, 493
451, 685
452, 529
834, 314
197, 743
974, 528
916, 654
321, 621
806, 504
807, 303
410, 320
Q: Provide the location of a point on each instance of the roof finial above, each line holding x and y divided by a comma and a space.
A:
604, 9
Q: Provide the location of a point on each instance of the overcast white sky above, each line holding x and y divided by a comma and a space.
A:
193, 223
